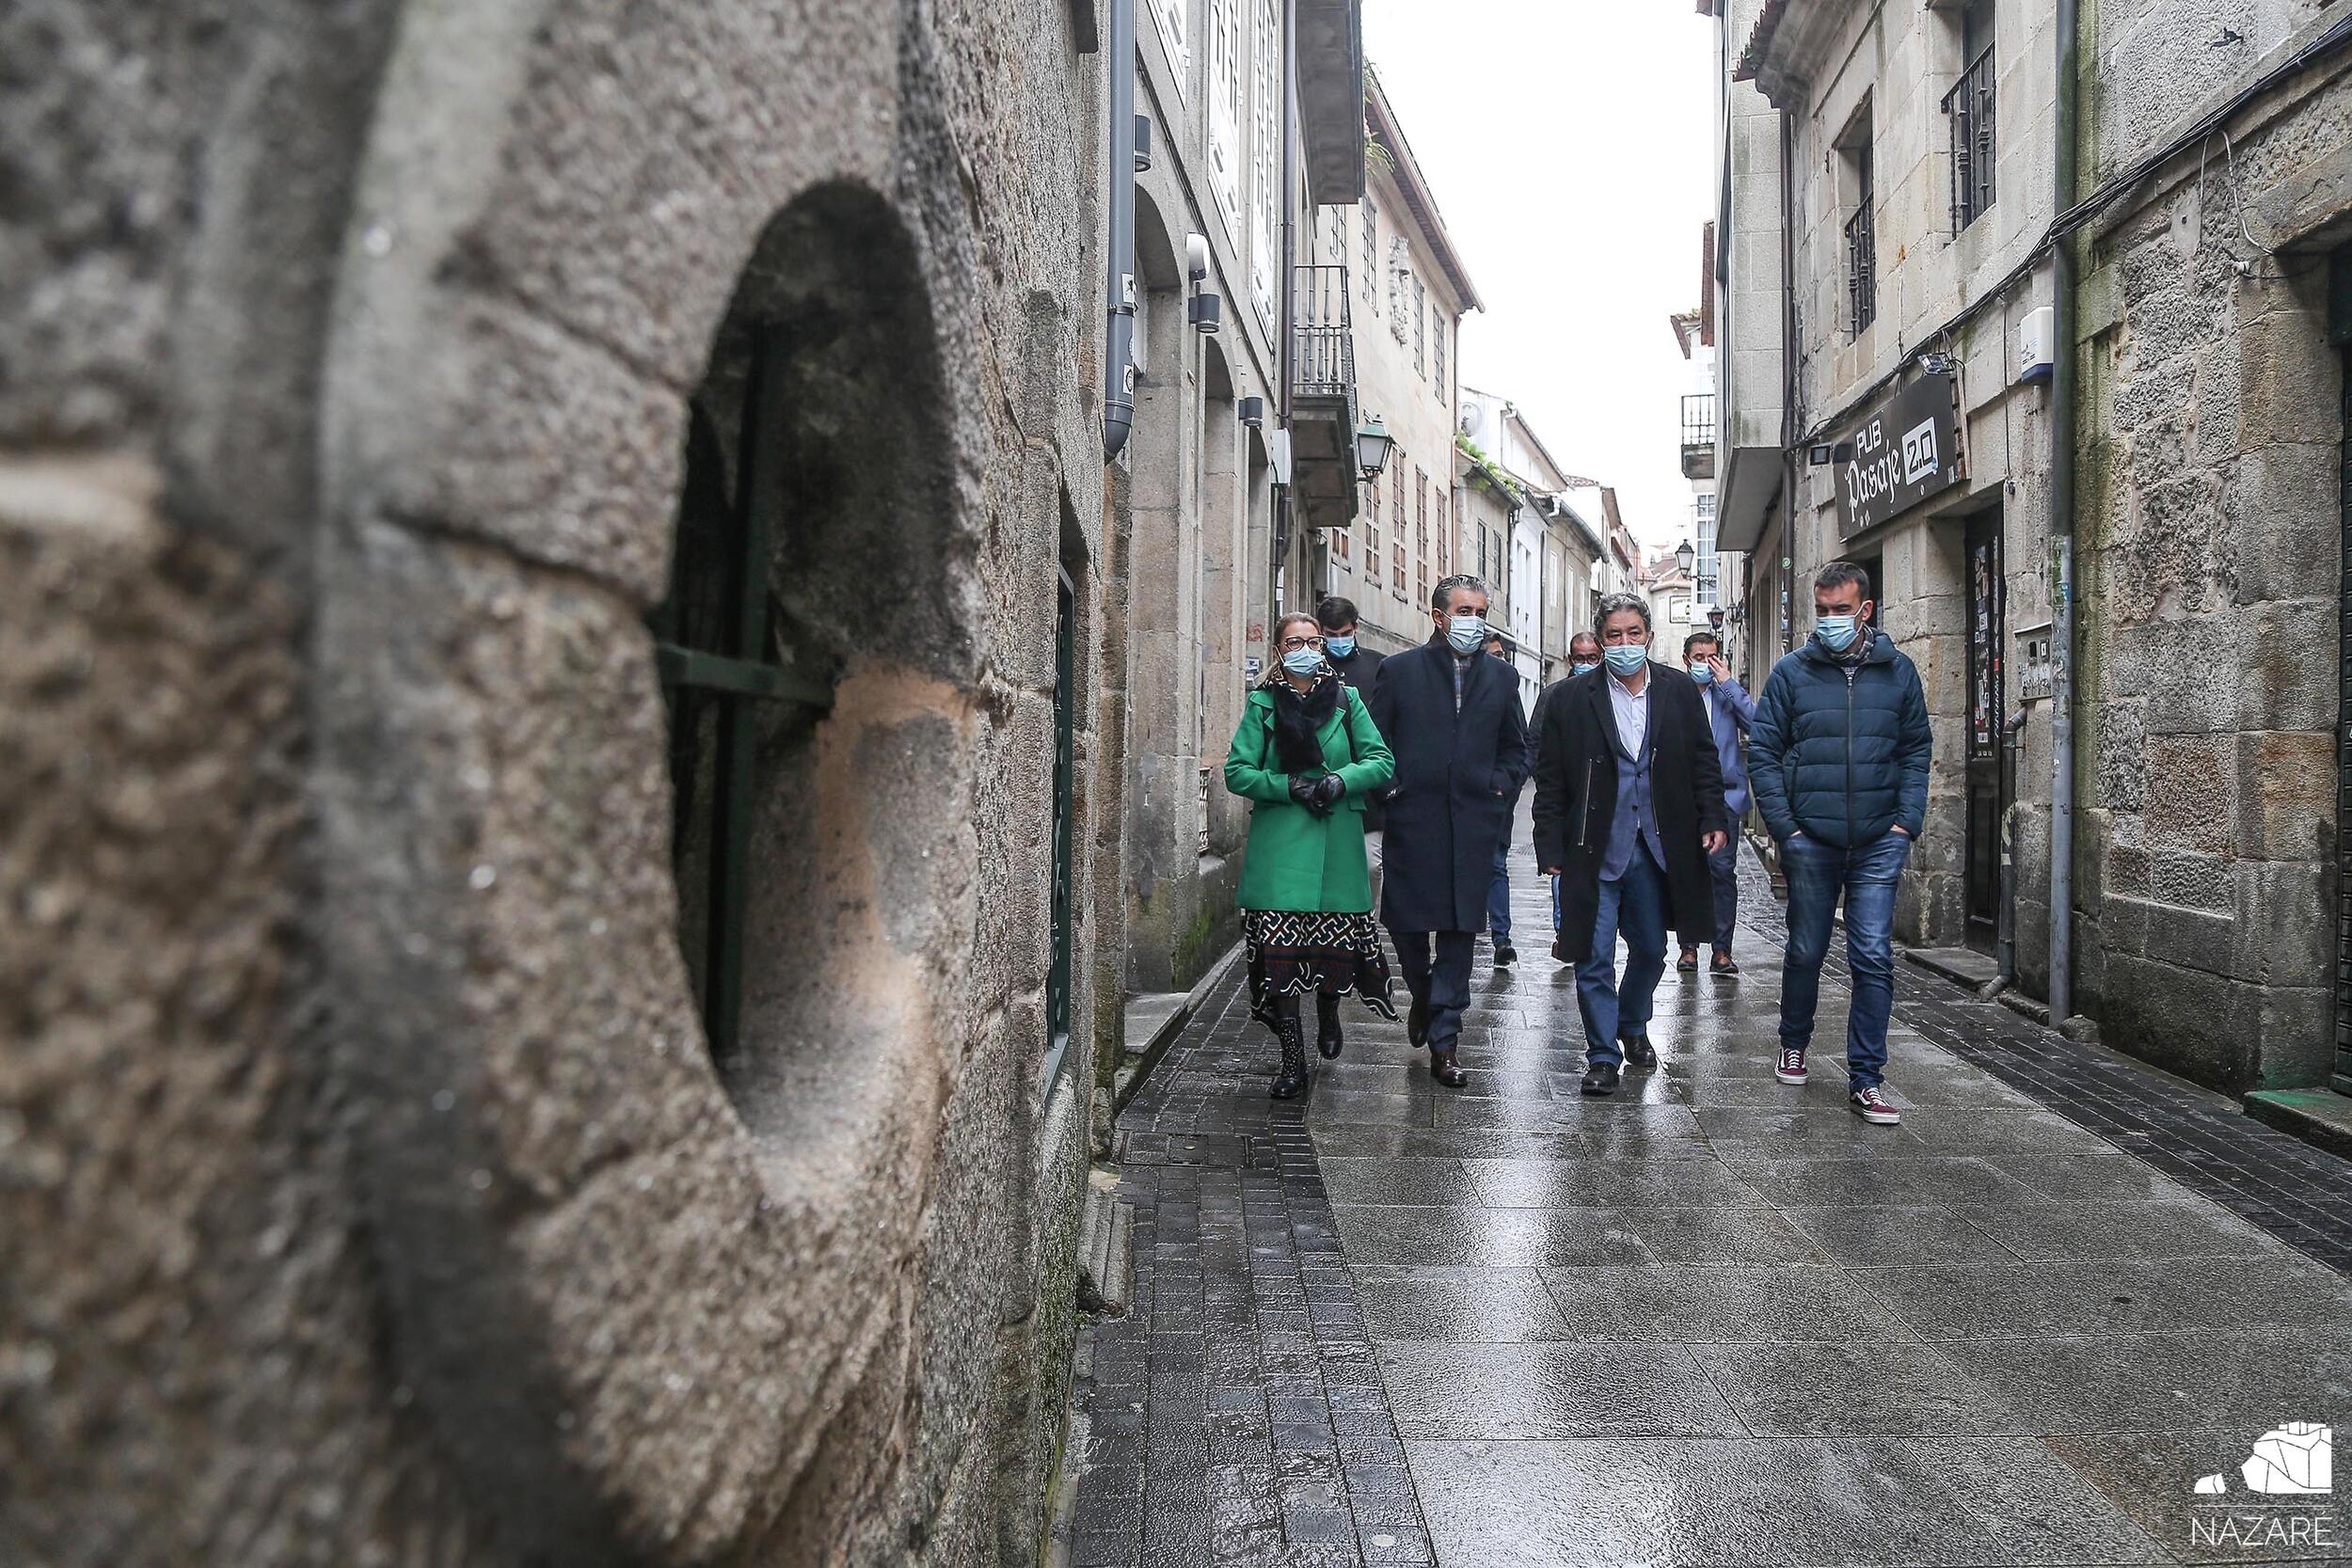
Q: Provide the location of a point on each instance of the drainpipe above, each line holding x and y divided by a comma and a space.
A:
1118, 391
1285, 350
2063, 382
2012, 738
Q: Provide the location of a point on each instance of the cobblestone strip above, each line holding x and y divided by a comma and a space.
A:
1236, 1415
2300, 1193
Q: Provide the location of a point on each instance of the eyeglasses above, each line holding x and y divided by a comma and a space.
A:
1292, 644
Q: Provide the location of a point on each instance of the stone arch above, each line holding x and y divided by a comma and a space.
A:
612, 1279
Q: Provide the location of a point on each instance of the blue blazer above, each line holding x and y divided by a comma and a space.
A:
1731, 711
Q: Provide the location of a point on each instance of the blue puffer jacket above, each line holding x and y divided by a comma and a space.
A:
1840, 751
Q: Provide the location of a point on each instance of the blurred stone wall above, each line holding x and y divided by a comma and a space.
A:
371, 1197
2210, 549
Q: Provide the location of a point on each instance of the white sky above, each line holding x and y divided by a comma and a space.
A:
1567, 143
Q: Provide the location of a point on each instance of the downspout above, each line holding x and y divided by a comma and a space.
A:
1284, 350
1119, 388
2063, 382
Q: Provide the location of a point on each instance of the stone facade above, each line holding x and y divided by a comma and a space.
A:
2208, 516
372, 1195
2211, 540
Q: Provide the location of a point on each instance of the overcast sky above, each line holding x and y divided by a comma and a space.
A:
1568, 144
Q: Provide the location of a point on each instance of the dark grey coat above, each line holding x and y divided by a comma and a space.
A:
1576, 795
1457, 775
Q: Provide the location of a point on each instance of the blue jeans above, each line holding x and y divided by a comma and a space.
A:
1869, 878
1724, 865
1499, 895
1636, 904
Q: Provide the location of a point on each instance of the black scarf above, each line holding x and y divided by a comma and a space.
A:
1300, 717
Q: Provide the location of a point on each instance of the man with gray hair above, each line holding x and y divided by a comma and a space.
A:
1451, 717
1628, 805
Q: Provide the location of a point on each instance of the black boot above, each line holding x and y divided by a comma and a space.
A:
1327, 1037
1417, 1024
1294, 1075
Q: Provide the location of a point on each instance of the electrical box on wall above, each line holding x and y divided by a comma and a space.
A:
2036, 347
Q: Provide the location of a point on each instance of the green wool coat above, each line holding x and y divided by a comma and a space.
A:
1296, 860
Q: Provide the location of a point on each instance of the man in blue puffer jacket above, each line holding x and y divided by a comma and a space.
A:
1837, 759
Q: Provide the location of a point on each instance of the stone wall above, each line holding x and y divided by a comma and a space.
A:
2210, 559
372, 1196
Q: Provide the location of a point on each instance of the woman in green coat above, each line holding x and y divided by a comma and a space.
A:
1305, 754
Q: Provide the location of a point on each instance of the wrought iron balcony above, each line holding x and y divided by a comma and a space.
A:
1323, 396
1861, 268
1698, 435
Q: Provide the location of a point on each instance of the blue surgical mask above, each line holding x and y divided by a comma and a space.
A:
1836, 632
1626, 657
1466, 632
1302, 662
1703, 673
1340, 647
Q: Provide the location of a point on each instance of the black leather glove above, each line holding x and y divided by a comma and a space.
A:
1303, 789
1329, 789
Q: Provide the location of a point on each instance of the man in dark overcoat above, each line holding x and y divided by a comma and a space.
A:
1628, 805
1452, 716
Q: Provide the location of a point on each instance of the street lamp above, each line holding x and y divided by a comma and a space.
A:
1373, 444
1684, 555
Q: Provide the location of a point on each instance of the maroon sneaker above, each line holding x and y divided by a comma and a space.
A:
1791, 1069
1874, 1107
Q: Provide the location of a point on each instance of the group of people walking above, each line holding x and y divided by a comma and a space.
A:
1407, 770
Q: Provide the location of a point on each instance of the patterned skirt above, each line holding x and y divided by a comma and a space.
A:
1292, 952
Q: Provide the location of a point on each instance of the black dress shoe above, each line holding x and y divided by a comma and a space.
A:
1505, 954
1600, 1079
1444, 1067
1640, 1055
1724, 965
1417, 1024
1689, 962
1327, 1035
1560, 950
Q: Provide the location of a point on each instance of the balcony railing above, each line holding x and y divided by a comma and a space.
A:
1698, 435
1862, 269
1326, 343
1969, 104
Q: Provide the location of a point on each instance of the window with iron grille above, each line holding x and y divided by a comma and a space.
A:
1862, 246
1969, 108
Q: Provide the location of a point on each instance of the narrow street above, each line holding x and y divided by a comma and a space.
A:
1714, 1320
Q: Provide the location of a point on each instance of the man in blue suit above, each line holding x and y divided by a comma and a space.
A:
1729, 711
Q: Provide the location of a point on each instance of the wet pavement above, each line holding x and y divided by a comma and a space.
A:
1714, 1320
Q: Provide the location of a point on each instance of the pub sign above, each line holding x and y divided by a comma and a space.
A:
1906, 451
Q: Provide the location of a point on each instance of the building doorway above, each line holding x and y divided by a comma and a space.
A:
1987, 787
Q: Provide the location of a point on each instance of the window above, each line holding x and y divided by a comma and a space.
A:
1170, 14
1224, 114
1437, 381
1421, 314
1340, 537
1265, 163
1703, 568
1969, 108
1372, 255
1335, 233
1862, 246
1420, 532
1397, 540
1445, 540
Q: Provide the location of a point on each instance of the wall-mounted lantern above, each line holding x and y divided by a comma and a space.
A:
1207, 312
1252, 412
1373, 444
